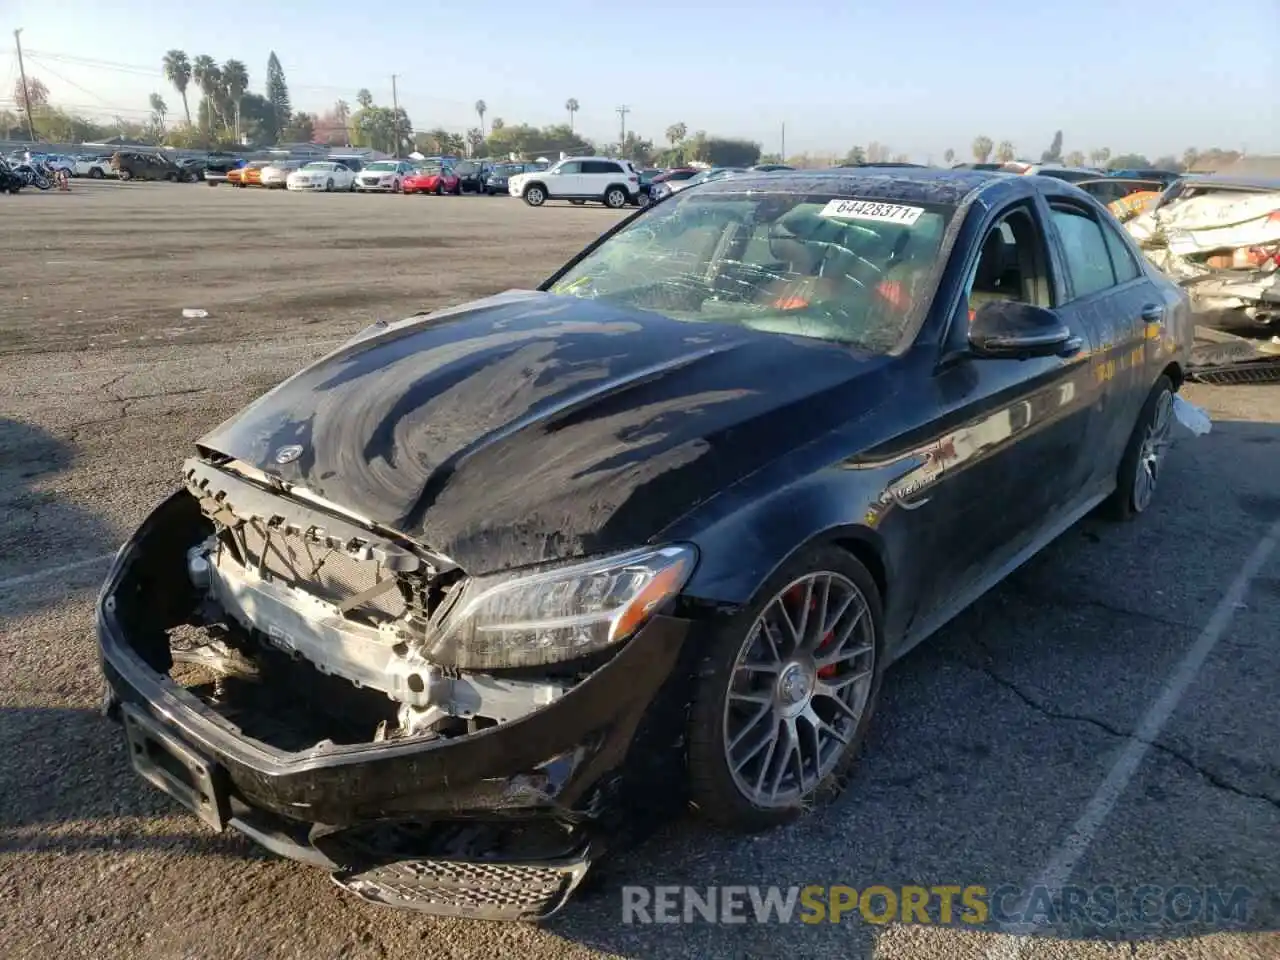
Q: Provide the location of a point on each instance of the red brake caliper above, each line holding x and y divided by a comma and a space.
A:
794, 595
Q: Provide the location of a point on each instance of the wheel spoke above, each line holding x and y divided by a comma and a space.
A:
787, 622
830, 694
840, 655
756, 666
790, 730
832, 688
751, 697
805, 604
764, 764
747, 728
822, 727
766, 628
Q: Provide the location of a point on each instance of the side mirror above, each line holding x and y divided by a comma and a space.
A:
1011, 329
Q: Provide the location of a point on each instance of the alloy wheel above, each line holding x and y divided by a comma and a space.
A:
1155, 442
800, 686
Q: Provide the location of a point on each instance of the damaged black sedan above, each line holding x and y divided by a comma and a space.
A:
447, 610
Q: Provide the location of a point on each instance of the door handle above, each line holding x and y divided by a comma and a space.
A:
1153, 313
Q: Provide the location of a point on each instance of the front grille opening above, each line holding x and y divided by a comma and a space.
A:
271, 697
324, 572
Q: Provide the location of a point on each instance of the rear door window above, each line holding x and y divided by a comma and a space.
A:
1085, 247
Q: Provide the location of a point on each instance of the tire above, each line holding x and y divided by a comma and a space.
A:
95, 173
395, 186
124, 175
328, 185
729, 798
439, 189
1137, 478
535, 195
615, 198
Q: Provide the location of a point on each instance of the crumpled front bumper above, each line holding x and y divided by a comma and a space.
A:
585, 763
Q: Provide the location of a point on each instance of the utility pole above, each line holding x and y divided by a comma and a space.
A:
26, 94
395, 115
782, 156
622, 112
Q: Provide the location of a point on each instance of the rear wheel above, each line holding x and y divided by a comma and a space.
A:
615, 198
1140, 467
125, 175
785, 693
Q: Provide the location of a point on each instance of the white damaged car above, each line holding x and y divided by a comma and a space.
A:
325, 175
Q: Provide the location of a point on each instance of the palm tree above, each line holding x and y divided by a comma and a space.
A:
205, 73
981, 148
1005, 152
159, 108
481, 107
1100, 156
676, 132
235, 75
364, 98
949, 155
177, 70
572, 106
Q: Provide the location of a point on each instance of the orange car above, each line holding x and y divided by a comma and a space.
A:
250, 175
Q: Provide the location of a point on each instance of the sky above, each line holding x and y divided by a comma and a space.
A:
1152, 77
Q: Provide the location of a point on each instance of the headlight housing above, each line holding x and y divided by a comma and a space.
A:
560, 614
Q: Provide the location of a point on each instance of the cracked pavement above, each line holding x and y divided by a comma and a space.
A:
990, 740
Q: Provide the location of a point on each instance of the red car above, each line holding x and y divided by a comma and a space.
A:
432, 178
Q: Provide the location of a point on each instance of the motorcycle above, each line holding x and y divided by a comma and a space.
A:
10, 181
36, 174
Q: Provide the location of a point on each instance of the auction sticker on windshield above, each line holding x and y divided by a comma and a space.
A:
870, 210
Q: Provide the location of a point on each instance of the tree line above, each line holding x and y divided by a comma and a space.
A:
229, 114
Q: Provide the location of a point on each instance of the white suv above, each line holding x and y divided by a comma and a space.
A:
615, 183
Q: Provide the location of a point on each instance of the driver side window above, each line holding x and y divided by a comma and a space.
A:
1011, 264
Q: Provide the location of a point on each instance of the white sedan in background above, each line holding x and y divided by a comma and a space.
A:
323, 175
384, 176
275, 176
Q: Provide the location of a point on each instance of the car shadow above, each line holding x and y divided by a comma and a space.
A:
73, 791
43, 532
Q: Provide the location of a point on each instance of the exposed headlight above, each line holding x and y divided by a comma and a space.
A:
558, 614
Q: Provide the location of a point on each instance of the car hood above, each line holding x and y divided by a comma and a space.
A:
529, 427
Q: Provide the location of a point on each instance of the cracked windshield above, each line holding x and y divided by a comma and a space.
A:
821, 266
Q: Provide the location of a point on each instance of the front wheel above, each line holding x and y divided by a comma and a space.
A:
1140, 467
124, 175
328, 185
615, 198
395, 186
95, 173
535, 196
785, 693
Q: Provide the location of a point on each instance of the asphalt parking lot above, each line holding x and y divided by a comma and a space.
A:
1106, 718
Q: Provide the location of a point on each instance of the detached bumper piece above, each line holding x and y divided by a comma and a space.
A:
1222, 358
478, 890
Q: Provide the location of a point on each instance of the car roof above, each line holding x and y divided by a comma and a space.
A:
920, 184
1230, 180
